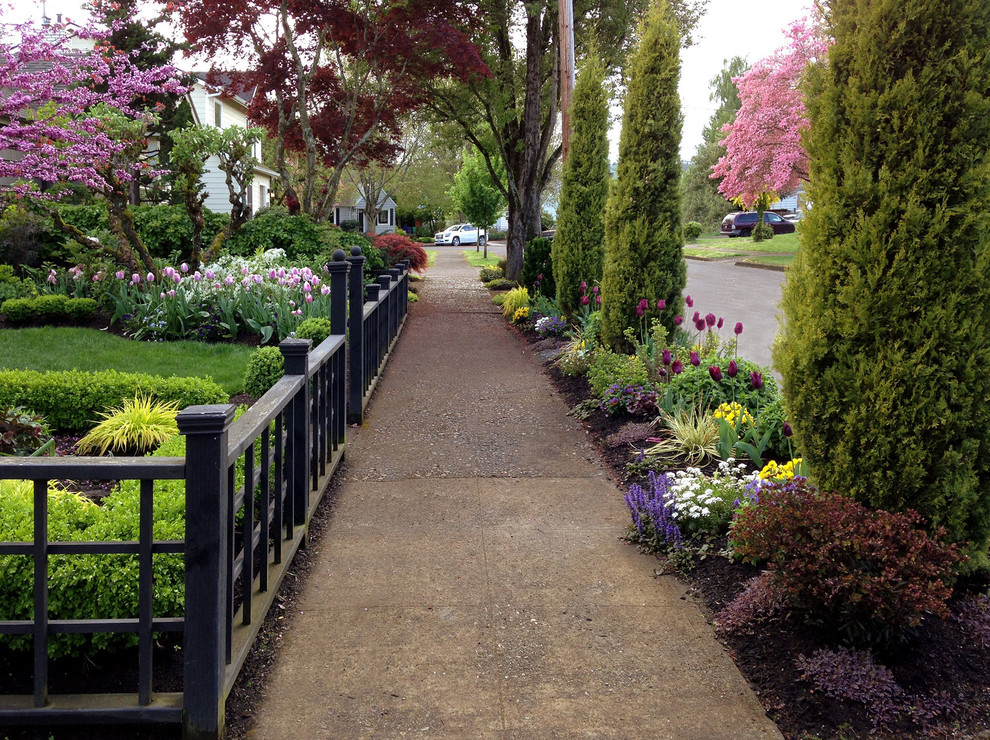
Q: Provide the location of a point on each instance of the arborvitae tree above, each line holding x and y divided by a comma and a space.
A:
885, 345
643, 239
578, 250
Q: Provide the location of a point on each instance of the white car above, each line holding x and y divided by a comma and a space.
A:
461, 234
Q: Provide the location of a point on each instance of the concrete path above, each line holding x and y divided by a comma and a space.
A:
474, 583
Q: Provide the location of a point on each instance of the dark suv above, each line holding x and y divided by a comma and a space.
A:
742, 223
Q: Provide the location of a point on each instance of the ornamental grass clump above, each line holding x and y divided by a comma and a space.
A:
138, 427
693, 436
870, 576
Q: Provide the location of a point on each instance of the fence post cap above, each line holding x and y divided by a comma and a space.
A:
205, 419
294, 347
339, 255
356, 251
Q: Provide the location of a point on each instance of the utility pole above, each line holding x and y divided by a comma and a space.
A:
566, 20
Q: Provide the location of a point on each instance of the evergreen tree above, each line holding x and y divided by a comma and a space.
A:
578, 251
700, 199
885, 347
643, 238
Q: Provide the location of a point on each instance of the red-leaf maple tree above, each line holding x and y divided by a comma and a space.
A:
331, 79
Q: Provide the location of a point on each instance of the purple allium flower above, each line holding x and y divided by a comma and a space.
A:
738, 329
695, 360
720, 322
733, 369
677, 367
787, 429
689, 301
678, 320
716, 372
756, 380
667, 356
661, 304
710, 320
585, 300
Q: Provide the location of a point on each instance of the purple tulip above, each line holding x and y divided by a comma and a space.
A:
699, 324
720, 322
661, 304
595, 290
787, 429
585, 300
710, 320
716, 372
662, 372
676, 368
697, 315
738, 329
639, 310
733, 369
689, 301
678, 320
584, 287
539, 277
756, 380
667, 357
598, 298
695, 360
642, 307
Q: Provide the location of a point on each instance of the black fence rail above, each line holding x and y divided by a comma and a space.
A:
251, 486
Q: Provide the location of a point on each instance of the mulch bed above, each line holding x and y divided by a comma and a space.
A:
940, 662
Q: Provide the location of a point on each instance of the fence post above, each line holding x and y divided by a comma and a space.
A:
355, 349
205, 429
339, 271
296, 354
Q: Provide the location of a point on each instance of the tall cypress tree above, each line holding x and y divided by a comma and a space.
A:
579, 245
643, 257
885, 348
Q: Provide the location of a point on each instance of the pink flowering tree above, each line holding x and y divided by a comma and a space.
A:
764, 154
73, 117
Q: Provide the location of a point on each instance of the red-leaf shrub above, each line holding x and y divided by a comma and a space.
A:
400, 247
869, 575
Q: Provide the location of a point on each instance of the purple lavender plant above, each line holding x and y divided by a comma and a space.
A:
653, 511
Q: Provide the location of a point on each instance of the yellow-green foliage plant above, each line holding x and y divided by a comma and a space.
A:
643, 240
138, 427
579, 245
514, 300
885, 345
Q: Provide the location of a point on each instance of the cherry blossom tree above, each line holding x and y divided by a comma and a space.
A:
764, 152
74, 117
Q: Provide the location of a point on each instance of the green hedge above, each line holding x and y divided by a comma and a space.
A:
71, 400
54, 307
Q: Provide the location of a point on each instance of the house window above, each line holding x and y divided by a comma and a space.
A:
250, 200
336, 216
383, 217
262, 196
217, 108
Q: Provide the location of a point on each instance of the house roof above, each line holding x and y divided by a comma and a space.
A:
242, 96
383, 202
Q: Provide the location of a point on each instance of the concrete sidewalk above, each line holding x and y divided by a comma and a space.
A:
474, 583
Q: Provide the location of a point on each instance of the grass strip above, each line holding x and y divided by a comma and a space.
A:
710, 254
775, 260
477, 259
71, 348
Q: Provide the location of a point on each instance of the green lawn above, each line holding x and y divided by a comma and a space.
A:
66, 348
710, 254
784, 260
477, 259
780, 243
431, 255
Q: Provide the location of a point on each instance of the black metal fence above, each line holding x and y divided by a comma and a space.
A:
251, 486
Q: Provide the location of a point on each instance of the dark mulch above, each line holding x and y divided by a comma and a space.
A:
940, 665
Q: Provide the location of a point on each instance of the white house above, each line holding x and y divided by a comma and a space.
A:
355, 212
218, 109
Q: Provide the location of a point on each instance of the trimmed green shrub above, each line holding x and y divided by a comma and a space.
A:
300, 236
692, 230
72, 400
609, 368
80, 309
643, 241
316, 329
18, 310
578, 251
537, 270
167, 230
265, 368
501, 283
869, 575
885, 344
51, 306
